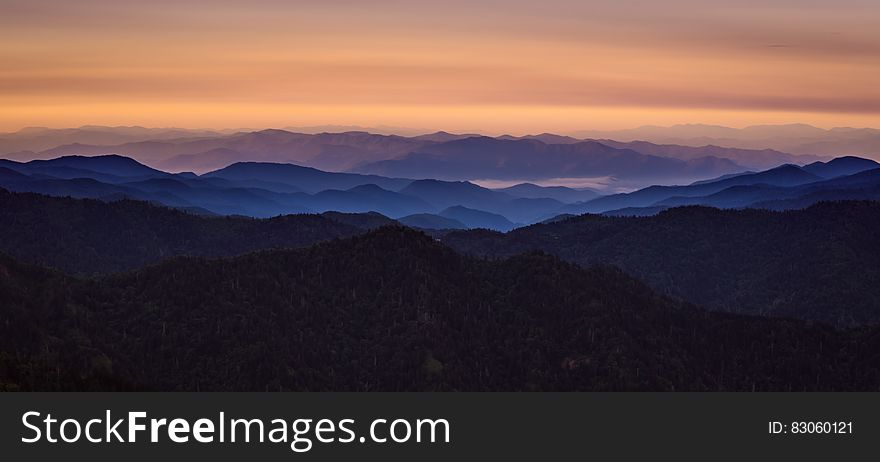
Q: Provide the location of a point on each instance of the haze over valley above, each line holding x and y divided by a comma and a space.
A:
432, 181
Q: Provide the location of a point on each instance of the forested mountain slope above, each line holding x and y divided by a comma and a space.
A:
395, 310
86, 236
821, 263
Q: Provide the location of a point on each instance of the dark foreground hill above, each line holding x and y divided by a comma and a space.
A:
821, 263
86, 236
395, 310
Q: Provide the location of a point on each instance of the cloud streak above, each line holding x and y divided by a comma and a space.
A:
596, 59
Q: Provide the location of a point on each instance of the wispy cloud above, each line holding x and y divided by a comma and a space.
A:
442, 64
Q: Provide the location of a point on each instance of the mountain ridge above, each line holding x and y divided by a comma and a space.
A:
419, 318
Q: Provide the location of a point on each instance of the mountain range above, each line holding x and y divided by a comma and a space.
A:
394, 310
800, 139
504, 159
259, 189
838, 179
333, 151
87, 236
818, 264
434, 262
266, 190
439, 155
28, 142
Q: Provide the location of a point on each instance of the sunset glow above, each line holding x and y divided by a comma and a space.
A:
492, 66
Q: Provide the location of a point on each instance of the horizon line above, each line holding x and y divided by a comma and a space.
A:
418, 131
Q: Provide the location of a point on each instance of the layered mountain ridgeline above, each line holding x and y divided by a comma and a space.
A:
431, 221
265, 190
252, 189
395, 310
450, 154
799, 139
758, 159
29, 142
559, 193
781, 188
84, 236
305, 178
821, 263
205, 152
505, 159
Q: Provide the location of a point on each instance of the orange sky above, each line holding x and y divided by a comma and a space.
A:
494, 66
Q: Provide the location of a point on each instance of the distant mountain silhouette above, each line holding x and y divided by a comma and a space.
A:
88, 188
394, 310
473, 218
841, 166
439, 155
696, 130
633, 211
108, 168
724, 177
218, 182
548, 138
180, 191
109, 164
561, 217
305, 178
332, 151
36, 139
444, 194
228, 200
560, 193
800, 139
204, 161
485, 158
368, 198
786, 175
752, 148
363, 221
524, 210
263, 189
442, 137
732, 197
431, 221
810, 197
10, 175
860, 186
759, 159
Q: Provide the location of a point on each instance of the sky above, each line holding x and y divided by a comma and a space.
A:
493, 66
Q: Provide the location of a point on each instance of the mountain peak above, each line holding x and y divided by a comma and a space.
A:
841, 166
474, 218
272, 131
111, 164
368, 188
